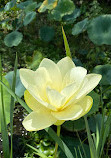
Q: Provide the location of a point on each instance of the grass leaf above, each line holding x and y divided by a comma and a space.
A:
68, 52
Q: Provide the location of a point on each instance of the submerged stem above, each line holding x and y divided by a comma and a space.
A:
56, 144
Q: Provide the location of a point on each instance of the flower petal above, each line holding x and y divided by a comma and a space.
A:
55, 98
34, 104
76, 75
54, 73
75, 111
38, 120
86, 104
35, 82
65, 65
69, 113
90, 82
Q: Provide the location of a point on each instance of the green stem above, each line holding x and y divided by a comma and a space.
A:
56, 144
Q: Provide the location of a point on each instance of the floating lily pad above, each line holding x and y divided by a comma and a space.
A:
30, 16
99, 30
31, 7
76, 125
47, 4
105, 71
72, 143
96, 102
72, 17
19, 89
64, 7
9, 5
13, 39
46, 33
80, 27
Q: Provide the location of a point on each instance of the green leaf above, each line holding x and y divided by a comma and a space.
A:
6, 98
23, 5
3, 115
19, 89
105, 71
68, 53
9, 5
64, 7
13, 39
15, 96
80, 27
37, 151
29, 17
96, 103
46, 33
12, 104
72, 17
76, 125
72, 143
99, 30
47, 4
94, 121
31, 7
90, 140
62, 145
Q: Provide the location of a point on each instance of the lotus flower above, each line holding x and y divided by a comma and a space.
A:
57, 93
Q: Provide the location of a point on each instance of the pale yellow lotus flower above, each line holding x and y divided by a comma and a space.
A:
57, 93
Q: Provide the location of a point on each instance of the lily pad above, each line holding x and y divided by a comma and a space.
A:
6, 99
99, 30
72, 17
96, 102
72, 143
76, 125
105, 71
19, 89
30, 16
47, 33
64, 7
80, 27
13, 39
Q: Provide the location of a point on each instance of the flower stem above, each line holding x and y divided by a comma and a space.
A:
56, 144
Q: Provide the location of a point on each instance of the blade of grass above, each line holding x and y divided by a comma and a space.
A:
90, 140
61, 144
80, 152
16, 97
75, 152
81, 144
4, 132
68, 52
38, 152
106, 131
12, 104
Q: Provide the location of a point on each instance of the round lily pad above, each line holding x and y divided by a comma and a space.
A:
46, 33
13, 39
105, 71
99, 30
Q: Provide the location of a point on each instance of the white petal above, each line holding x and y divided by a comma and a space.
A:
90, 82
76, 75
54, 73
38, 120
75, 110
35, 82
34, 104
65, 65
55, 98
86, 104
69, 113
